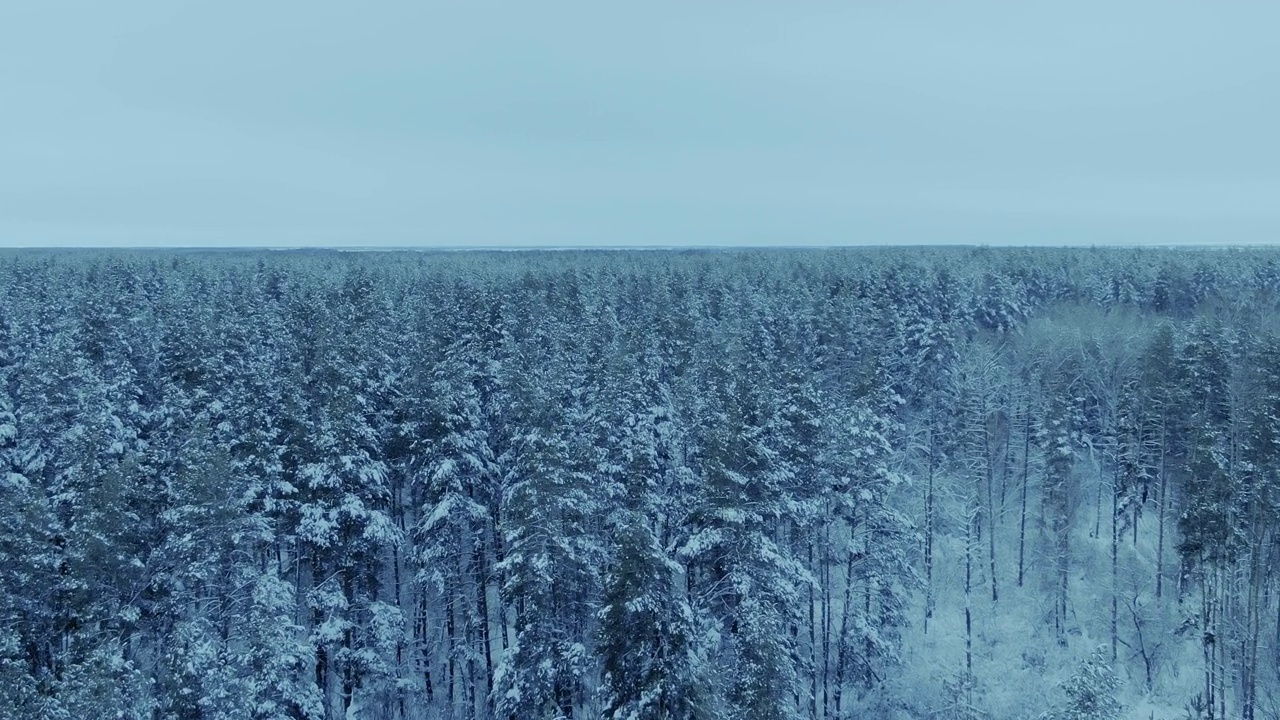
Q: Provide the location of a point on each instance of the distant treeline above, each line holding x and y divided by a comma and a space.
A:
659, 484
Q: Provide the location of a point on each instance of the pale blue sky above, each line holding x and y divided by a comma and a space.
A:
284, 123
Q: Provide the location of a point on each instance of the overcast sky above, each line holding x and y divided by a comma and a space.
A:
282, 123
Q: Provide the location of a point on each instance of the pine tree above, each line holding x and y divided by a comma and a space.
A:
1090, 691
1058, 435
743, 577
551, 553
649, 646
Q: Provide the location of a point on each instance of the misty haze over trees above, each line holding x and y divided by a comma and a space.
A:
873, 483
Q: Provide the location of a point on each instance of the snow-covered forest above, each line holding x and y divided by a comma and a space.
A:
871, 483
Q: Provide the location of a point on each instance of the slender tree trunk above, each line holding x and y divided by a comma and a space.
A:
423, 646
399, 677
813, 630
1006, 461
1115, 543
329, 676
928, 525
1253, 614
1022, 522
472, 622
1062, 547
991, 512
841, 641
968, 592
1097, 520
795, 659
451, 646
1207, 640
397, 592
302, 582
1275, 651
867, 617
826, 617
482, 612
1141, 454
1221, 645
399, 589
1271, 573
1160, 512
498, 556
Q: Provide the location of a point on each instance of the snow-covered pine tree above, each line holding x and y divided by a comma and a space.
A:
1261, 508
872, 543
1209, 541
1090, 692
651, 653
742, 576
1058, 435
550, 505
455, 527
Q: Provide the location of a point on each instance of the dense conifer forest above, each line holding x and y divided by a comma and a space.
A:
847, 483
